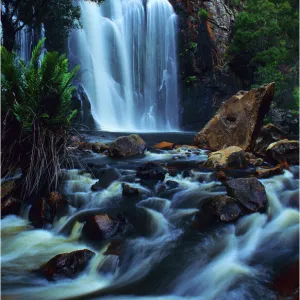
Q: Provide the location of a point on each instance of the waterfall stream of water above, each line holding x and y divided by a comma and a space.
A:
127, 52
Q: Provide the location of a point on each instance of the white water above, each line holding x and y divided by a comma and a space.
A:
232, 262
127, 53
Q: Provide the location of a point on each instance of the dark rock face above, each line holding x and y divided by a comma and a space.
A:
268, 135
67, 265
151, 171
206, 79
106, 177
228, 126
125, 146
10, 206
81, 102
249, 192
101, 227
129, 191
284, 150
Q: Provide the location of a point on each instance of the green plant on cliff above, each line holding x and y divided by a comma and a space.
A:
202, 13
191, 79
36, 114
265, 46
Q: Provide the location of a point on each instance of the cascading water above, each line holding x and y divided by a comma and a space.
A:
127, 53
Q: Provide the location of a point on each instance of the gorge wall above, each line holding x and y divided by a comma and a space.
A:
205, 28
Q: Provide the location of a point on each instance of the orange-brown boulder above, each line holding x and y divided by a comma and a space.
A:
238, 121
164, 146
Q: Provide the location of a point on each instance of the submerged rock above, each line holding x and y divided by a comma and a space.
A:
125, 146
103, 226
67, 265
106, 177
238, 121
151, 171
231, 157
249, 192
284, 150
109, 264
10, 206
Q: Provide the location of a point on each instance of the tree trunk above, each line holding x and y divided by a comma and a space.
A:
9, 32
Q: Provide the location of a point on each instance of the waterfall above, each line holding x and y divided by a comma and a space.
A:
127, 52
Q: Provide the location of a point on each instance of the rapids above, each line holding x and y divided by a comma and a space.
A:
163, 257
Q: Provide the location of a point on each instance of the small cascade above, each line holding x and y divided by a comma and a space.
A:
127, 51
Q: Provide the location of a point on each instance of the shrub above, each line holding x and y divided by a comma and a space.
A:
36, 108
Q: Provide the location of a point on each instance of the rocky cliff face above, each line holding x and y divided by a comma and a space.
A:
205, 28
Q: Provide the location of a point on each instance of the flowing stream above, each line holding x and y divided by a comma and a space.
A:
163, 257
127, 52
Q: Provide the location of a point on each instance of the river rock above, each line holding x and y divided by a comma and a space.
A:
102, 226
40, 213
172, 184
125, 146
10, 206
238, 121
57, 203
268, 135
284, 150
7, 188
67, 265
129, 191
231, 157
266, 173
114, 248
99, 147
106, 177
164, 146
151, 171
249, 192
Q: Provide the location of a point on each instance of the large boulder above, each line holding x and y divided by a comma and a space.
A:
238, 121
67, 265
268, 135
231, 157
125, 146
250, 192
164, 146
101, 227
284, 150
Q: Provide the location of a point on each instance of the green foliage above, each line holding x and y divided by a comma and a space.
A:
202, 13
59, 18
38, 92
265, 45
193, 46
191, 79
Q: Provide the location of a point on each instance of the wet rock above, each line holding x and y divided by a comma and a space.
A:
266, 173
40, 213
286, 281
103, 226
172, 184
67, 265
99, 147
249, 192
114, 248
285, 119
164, 146
129, 191
10, 206
218, 209
125, 146
151, 171
186, 173
44, 210
228, 126
220, 176
231, 157
268, 135
7, 188
106, 177
256, 162
284, 150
